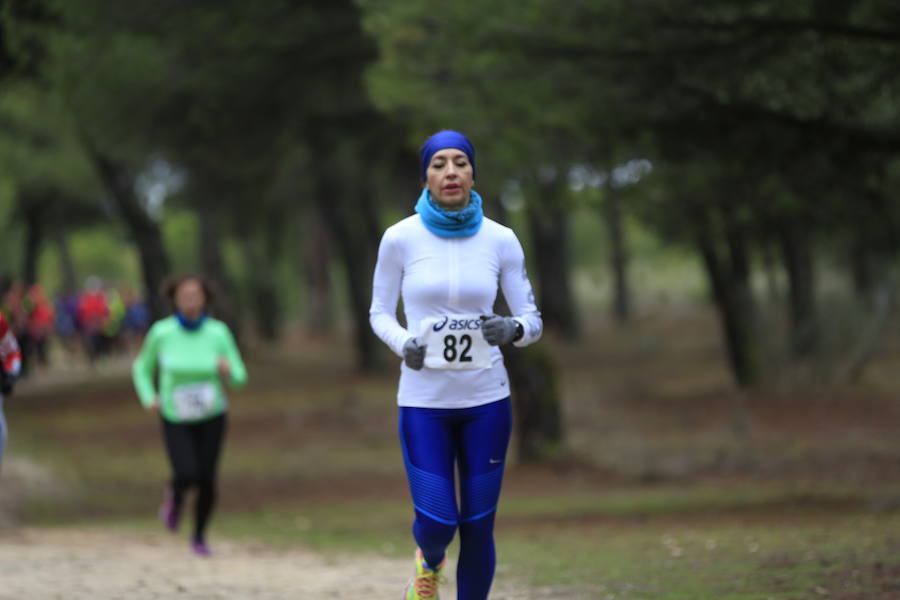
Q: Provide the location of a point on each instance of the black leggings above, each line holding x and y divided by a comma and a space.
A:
194, 455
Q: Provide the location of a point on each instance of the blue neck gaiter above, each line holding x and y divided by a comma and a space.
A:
189, 324
450, 223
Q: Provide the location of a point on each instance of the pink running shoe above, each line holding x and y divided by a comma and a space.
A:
201, 549
168, 511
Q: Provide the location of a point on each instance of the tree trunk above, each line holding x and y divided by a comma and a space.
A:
33, 208
618, 255
862, 268
211, 262
873, 330
494, 208
796, 248
344, 213
212, 265
728, 270
535, 390
769, 255
548, 222
262, 256
317, 269
144, 230
533, 377
67, 265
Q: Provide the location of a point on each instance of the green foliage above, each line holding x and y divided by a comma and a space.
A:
102, 251
465, 69
225, 92
41, 160
750, 90
10, 238
180, 231
763, 115
35, 149
98, 250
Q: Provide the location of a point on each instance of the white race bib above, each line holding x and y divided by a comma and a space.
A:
194, 401
455, 342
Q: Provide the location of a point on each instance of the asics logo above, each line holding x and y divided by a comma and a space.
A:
494, 461
439, 326
465, 324
458, 324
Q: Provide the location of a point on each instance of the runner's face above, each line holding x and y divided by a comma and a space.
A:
449, 178
190, 299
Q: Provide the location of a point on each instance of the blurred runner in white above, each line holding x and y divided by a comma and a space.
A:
10, 365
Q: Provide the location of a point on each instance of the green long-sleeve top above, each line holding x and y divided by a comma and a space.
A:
190, 388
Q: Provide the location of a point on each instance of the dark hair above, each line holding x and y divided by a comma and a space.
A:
171, 284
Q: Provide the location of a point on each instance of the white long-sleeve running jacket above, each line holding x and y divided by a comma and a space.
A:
437, 277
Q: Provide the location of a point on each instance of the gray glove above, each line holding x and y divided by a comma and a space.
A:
499, 330
413, 354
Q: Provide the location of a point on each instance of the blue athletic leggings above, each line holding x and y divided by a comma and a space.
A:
474, 440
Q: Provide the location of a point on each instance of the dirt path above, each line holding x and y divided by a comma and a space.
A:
74, 564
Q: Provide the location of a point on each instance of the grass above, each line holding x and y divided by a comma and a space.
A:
709, 560
656, 496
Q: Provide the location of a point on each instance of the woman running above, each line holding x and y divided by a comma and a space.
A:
445, 262
195, 354
10, 365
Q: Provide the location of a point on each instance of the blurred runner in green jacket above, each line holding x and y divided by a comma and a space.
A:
195, 354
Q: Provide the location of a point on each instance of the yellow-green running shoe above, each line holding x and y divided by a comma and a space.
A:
424, 584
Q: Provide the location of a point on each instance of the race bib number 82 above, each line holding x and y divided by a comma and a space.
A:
455, 342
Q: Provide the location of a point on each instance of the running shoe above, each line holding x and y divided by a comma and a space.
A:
424, 584
200, 548
168, 511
